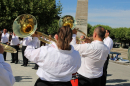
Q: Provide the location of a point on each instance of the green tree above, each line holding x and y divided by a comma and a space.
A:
89, 27
104, 26
53, 28
121, 33
45, 11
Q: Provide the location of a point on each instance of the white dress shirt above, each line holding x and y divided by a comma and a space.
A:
48, 41
6, 76
26, 41
14, 40
4, 37
109, 43
93, 57
38, 44
54, 64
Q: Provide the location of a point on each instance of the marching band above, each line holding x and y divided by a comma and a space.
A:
58, 61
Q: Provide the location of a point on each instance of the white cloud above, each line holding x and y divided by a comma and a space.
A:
111, 17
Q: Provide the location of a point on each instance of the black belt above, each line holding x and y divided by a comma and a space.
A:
13, 45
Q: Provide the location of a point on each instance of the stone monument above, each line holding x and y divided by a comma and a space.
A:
82, 16
129, 54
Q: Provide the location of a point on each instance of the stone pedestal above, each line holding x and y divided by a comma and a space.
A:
82, 16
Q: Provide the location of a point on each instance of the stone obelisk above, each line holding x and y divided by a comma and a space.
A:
82, 16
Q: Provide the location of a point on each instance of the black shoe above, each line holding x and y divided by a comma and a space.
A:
22, 65
33, 68
16, 62
36, 69
25, 65
11, 62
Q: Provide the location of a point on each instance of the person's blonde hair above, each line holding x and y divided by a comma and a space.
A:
64, 38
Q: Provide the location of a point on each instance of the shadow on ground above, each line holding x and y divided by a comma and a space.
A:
122, 84
120, 81
109, 74
117, 80
22, 78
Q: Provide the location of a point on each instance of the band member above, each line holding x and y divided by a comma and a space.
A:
56, 64
24, 45
37, 46
6, 75
4, 40
82, 38
109, 43
93, 57
15, 44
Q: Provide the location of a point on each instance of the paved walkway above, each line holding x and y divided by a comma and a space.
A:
118, 75
25, 76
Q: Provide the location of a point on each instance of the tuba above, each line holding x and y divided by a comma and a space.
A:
26, 25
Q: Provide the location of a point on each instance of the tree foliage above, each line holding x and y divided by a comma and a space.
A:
88, 29
53, 28
45, 11
121, 34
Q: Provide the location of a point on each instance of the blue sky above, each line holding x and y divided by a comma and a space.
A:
115, 13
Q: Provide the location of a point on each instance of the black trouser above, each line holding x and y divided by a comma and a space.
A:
83, 81
104, 76
40, 82
4, 54
36, 66
15, 55
25, 60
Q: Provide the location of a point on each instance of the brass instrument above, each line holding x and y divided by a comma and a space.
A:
44, 35
7, 48
26, 25
85, 40
68, 20
41, 39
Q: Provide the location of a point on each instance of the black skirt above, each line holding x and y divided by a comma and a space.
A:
40, 82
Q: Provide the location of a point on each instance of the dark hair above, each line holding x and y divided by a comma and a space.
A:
64, 38
108, 31
100, 31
